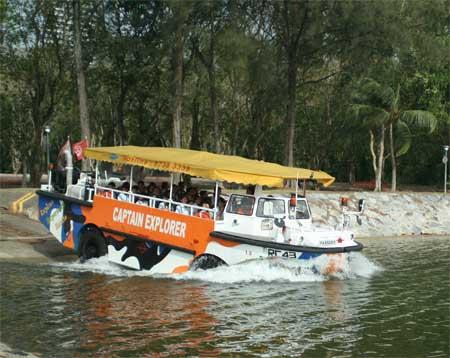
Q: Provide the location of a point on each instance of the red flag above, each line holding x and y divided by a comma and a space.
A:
78, 149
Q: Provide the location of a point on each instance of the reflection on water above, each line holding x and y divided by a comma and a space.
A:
260, 308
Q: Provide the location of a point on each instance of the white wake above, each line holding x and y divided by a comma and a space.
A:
261, 270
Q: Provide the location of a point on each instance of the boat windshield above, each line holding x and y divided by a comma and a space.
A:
241, 204
302, 211
268, 207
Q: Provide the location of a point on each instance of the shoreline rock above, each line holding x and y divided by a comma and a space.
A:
386, 214
8, 352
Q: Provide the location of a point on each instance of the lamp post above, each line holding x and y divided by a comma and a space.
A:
47, 131
445, 161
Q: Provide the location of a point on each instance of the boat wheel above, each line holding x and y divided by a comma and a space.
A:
92, 245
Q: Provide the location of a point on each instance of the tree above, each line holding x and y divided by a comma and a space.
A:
81, 78
180, 14
264, 79
291, 22
210, 17
34, 62
379, 107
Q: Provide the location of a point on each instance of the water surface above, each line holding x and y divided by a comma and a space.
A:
393, 301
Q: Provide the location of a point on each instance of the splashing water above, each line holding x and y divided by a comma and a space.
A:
270, 270
261, 270
100, 309
100, 265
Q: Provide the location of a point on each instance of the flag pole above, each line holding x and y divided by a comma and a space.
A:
69, 164
89, 161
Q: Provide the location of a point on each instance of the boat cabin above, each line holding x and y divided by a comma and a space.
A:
262, 216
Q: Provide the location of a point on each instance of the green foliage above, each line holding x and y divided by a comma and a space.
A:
358, 66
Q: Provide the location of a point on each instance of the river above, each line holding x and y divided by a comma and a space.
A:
392, 301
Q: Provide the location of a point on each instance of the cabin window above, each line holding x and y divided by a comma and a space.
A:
267, 208
241, 204
302, 211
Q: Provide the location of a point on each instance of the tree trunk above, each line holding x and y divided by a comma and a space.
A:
24, 173
36, 163
213, 99
212, 86
121, 115
15, 159
178, 86
195, 131
380, 161
81, 79
393, 159
351, 172
291, 110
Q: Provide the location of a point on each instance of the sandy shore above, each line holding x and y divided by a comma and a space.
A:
8, 352
23, 238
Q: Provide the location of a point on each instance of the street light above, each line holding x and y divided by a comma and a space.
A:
47, 131
445, 161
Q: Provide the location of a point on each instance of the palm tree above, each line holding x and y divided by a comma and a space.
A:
379, 107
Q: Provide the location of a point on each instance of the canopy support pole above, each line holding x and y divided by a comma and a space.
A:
171, 188
131, 199
49, 185
304, 187
96, 177
296, 188
216, 195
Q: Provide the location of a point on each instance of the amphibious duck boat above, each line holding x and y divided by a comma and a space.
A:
152, 233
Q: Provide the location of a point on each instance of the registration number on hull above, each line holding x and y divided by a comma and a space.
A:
282, 253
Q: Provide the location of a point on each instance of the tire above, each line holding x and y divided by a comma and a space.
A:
206, 262
92, 245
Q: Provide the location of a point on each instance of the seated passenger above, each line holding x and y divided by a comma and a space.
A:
250, 190
150, 188
163, 205
124, 195
219, 193
192, 192
109, 193
198, 202
166, 194
204, 214
204, 195
246, 207
141, 188
183, 209
156, 194
138, 199
177, 194
221, 206
141, 201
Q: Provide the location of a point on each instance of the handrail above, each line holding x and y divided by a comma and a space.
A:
151, 199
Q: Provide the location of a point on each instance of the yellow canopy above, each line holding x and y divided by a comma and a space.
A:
228, 168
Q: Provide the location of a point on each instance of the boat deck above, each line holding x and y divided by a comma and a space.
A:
264, 242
